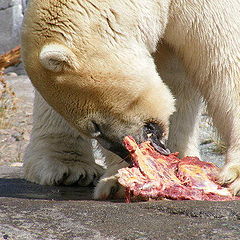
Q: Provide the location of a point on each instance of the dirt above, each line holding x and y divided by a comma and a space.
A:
16, 124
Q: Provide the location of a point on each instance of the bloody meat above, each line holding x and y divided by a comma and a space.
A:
155, 176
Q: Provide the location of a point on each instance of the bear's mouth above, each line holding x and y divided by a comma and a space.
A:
151, 132
159, 145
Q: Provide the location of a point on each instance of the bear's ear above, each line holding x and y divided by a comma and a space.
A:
56, 57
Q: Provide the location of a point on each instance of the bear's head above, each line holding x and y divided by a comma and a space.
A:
100, 76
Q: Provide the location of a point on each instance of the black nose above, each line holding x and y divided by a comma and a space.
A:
153, 132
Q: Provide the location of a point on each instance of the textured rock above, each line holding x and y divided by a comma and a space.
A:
11, 16
29, 211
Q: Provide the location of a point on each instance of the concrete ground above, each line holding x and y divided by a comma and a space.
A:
33, 212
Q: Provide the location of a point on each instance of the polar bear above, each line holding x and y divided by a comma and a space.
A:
107, 69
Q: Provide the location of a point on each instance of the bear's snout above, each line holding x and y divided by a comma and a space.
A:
151, 131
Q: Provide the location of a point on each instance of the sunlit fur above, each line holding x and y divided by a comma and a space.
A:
92, 60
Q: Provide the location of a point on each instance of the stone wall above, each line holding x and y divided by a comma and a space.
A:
11, 16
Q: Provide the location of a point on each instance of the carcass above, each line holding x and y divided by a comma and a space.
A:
155, 176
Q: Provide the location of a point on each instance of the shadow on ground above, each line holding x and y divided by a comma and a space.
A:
12, 185
19, 188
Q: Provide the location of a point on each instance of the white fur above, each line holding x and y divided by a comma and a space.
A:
198, 57
108, 185
57, 154
184, 127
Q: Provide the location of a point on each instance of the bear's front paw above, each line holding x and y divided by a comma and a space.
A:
54, 172
109, 188
230, 175
82, 174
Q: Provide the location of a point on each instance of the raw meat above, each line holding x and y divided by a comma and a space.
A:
155, 176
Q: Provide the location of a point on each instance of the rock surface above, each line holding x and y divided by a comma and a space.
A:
11, 16
29, 211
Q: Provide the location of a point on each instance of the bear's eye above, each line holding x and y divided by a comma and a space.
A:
95, 129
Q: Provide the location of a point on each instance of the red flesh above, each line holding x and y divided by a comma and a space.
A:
157, 176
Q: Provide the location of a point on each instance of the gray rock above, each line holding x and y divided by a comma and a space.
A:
30, 211
22, 88
11, 16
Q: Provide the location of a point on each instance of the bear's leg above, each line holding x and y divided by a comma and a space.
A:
108, 186
184, 123
224, 107
57, 154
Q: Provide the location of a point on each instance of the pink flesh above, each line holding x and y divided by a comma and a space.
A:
156, 176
